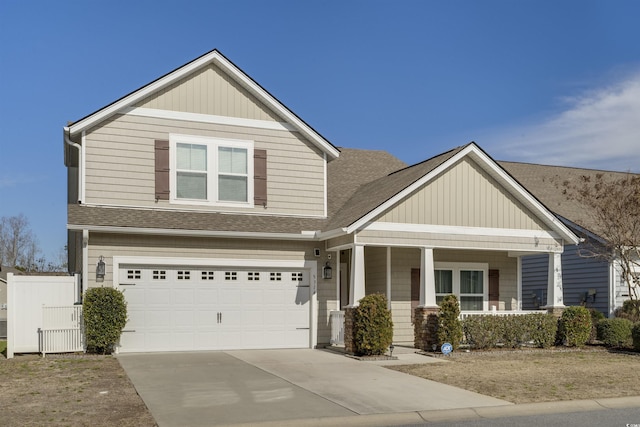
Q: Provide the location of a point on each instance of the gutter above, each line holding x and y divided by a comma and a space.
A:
69, 142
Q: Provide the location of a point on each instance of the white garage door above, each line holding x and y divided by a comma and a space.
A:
202, 308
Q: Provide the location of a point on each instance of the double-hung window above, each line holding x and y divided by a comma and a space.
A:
469, 282
211, 170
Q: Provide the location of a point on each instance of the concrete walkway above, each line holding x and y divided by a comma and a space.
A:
235, 387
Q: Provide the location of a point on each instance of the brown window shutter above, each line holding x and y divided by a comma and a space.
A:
162, 169
494, 288
260, 177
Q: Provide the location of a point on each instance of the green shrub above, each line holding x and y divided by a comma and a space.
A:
630, 310
542, 329
574, 326
615, 332
483, 332
514, 331
104, 312
449, 325
596, 316
635, 335
373, 326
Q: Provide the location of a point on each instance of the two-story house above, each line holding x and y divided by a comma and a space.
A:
230, 223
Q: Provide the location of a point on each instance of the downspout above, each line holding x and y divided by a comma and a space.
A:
78, 147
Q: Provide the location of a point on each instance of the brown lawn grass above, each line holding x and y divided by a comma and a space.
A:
72, 390
523, 376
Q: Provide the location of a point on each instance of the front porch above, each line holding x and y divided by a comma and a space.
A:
485, 282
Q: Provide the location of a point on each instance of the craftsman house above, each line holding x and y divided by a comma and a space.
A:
230, 223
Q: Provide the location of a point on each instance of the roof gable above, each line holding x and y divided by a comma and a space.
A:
464, 195
171, 82
375, 198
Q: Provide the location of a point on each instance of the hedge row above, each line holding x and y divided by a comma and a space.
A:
483, 332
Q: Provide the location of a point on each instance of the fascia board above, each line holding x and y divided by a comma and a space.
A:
240, 76
304, 235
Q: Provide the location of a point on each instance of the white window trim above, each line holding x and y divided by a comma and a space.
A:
456, 267
212, 145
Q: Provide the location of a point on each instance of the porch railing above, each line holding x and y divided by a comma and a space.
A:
466, 314
61, 329
337, 327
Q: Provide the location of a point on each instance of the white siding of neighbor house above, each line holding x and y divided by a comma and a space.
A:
110, 245
120, 167
209, 91
465, 195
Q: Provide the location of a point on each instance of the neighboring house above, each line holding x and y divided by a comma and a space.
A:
588, 281
230, 223
4, 270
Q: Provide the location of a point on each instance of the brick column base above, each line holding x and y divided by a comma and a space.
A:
556, 311
425, 326
349, 330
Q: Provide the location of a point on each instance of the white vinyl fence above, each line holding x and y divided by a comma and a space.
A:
26, 296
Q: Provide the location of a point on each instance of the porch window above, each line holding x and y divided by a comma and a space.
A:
466, 281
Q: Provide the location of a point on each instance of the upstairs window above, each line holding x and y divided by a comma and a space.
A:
211, 171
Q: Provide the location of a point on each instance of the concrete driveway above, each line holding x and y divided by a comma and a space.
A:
234, 387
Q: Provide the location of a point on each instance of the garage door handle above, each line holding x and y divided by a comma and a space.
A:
127, 284
128, 330
302, 328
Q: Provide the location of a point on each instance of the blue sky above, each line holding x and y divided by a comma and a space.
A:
554, 82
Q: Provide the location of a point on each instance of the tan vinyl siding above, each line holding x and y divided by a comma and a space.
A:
376, 270
465, 195
120, 166
340, 241
209, 91
504, 243
402, 260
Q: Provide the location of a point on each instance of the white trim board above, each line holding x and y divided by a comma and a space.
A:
207, 118
459, 230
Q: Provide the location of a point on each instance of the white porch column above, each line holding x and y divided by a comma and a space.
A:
519, 283
389, 277
338, 281
427, 279
555, 296
356, 293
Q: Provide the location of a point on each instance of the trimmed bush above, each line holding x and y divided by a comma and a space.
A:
635, 335
483, 332
542, 329
574, 326
373, 326
449, 325
615, 332
630, 310
104, 312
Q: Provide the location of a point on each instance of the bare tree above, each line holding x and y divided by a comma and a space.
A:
614, 207
18, 245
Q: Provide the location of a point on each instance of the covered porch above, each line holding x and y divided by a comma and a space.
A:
485, 282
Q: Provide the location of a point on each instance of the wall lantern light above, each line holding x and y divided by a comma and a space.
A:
101, 268
327, 271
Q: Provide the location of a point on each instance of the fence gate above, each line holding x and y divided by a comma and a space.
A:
61, 329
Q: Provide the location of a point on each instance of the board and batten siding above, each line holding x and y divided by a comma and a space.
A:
209, 91
464, 195
579, 275
120, 168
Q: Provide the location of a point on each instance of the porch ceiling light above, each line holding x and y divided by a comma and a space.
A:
327, 271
